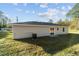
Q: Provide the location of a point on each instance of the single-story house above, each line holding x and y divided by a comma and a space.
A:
26, 29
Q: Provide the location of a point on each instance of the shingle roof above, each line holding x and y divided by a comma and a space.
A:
39, 23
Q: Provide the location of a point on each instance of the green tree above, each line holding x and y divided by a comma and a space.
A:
74, 15
1, 15
60, 21
63, 22
3, 20
74, 11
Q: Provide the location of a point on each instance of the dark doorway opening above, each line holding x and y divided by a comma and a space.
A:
34, 36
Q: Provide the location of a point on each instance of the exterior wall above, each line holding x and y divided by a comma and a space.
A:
20, 31
26, 31
60, 31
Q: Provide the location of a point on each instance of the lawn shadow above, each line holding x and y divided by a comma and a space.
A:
3, 34
53, 45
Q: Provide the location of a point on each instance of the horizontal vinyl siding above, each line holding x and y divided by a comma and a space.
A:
26, 31
60, 31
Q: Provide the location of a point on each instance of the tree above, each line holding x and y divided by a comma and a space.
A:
63, 22
50, 21
1, 14
74, 11
60, 21
3, 20
74, 15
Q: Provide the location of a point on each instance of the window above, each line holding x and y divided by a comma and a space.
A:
63, 29
51, 29
57, 29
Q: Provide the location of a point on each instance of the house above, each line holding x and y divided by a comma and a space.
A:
26, 29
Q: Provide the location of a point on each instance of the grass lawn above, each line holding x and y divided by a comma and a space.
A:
62, 45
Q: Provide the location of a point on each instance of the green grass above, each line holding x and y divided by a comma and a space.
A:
62, 45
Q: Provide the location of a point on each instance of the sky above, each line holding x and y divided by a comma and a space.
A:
36, 11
